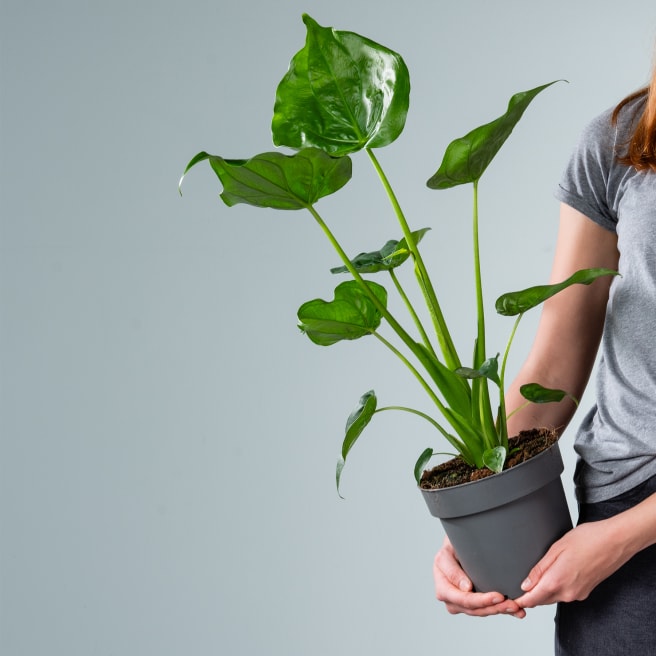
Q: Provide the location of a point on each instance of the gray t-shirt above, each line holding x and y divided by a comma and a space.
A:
616, 443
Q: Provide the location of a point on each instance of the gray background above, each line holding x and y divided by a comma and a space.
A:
168, 438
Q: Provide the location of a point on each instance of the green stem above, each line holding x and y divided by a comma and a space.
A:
480, 309
412, 312
461, 447
444, 338
428, 418
407, 339
415, 348
521, 407
422, 381
481, 386
502, 429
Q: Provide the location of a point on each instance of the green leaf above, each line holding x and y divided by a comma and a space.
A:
421, 463
342, 92
355, 424
338, 475
283, 182
358, 420
514, 303
489, 369
391, 255
495, 458
466, 158
535, 393
351, 315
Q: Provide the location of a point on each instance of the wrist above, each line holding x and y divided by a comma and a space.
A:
635, 529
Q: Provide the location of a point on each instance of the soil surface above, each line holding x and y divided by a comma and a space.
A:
456, 471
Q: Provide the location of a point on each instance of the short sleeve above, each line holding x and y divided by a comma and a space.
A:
585, 183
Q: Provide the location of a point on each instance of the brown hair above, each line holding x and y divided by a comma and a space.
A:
641, 147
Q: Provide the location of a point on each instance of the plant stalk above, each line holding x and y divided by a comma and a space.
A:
412, 345
412, 312
444, 338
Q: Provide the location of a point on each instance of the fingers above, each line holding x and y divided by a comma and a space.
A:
536, 594
448, 566
454, 589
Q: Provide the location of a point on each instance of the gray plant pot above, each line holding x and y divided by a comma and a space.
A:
500, 526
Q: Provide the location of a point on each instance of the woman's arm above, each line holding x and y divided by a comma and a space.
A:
571, 323
562, 356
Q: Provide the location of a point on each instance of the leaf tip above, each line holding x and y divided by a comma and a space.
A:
338, 475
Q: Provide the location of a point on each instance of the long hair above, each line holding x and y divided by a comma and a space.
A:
641, 147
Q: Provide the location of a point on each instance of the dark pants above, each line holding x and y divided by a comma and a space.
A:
619, 616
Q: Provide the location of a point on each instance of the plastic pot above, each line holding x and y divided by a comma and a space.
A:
500, 526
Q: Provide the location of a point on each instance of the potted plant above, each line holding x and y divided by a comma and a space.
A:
344, 93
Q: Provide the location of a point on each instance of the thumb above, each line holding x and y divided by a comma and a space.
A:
533, 577
446, 563
539, 569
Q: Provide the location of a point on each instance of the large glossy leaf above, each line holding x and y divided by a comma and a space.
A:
391, 255
351, 315
342, 92
515, 303
355, 424
466, 158
283, 182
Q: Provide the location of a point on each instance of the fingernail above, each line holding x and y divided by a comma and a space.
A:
498, 600
526, 584
463, 585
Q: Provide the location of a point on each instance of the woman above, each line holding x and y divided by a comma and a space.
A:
603, 572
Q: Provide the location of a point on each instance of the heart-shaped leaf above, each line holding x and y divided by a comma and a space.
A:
495, 458
351, 315
283, 182
342, 92
391, 255
514, 303
355, 424
466, 158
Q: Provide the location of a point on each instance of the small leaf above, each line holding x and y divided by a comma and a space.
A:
355, 424
466, 158
514, 303
535, 393
495, 458
283, 182
358, 420
342, 92
391, 255
421, 463
489, 369
351, 315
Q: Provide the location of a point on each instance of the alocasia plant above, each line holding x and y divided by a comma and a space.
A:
344, 93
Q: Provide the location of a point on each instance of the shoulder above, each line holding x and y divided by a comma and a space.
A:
608, 132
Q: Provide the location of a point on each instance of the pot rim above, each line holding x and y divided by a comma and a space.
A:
498, 489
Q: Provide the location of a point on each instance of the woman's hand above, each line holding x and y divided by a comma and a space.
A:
453, 587
576, 564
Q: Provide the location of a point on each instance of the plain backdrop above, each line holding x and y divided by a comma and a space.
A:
168, 437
